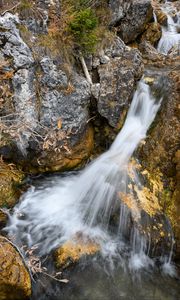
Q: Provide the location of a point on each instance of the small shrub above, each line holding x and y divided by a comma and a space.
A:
80, 27
83, 28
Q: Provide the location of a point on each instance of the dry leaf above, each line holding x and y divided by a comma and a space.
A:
59, 124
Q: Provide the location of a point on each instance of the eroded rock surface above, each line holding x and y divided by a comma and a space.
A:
49, 108
72, 251
15, 282
124, 66
159, 155
130, 17
10, 177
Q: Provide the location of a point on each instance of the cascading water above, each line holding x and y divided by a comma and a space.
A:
85, 202
170, 36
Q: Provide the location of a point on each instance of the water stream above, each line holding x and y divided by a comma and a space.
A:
170, 35
83, 204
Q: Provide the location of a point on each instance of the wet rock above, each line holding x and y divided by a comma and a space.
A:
124, 69
159, 153
161, 16
15, 282
10, 178
72, 251
130, 17
152, 34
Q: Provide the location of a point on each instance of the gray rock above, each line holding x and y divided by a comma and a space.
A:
52, 77
130, 17
13, 45
116, 49
95, 90
119, 9
70, 107
25, 104
117, 83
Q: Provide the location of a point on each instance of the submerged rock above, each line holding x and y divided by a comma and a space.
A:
15, 282
72, 251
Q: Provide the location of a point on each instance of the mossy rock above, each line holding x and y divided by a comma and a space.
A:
10, 178
73, 250
15, 281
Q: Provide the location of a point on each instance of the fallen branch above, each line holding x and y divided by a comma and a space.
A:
54, 277
85, 69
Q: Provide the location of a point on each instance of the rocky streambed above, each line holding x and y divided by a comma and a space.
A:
52, 119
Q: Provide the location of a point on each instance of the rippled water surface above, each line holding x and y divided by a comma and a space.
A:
95, 282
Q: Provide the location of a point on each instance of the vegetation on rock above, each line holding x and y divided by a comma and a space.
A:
10, 178
15, 281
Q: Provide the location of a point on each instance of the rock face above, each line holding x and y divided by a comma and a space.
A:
124, 66
48, 129
49, 108
15, 282
160, 153
130, 17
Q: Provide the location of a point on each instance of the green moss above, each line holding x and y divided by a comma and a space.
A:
25, 5
10, 178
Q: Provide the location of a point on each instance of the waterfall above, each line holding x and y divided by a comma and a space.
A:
170, 36
83, 203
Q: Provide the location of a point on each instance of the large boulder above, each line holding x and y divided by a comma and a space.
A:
48, 126
15, 281
121, 70
130, 17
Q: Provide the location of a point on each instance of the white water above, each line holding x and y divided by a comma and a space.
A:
170, 36
82, 204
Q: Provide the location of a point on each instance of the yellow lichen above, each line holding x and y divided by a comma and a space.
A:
73, 250
15, 282
10, 177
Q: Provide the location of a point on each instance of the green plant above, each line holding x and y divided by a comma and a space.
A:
79, 29
83, 28
25, 4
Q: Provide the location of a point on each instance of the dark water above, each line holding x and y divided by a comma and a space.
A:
91, 280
